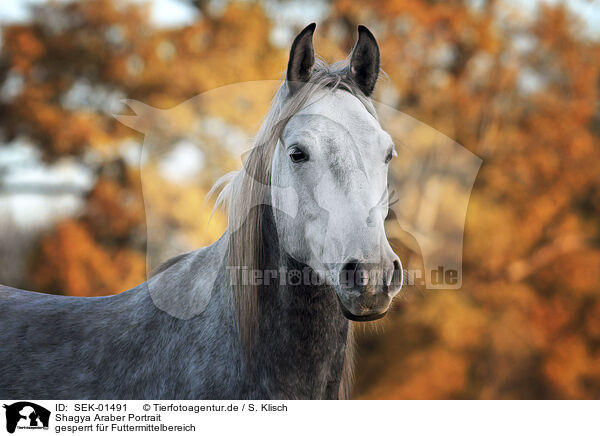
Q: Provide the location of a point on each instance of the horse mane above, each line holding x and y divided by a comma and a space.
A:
168, 264
246, 193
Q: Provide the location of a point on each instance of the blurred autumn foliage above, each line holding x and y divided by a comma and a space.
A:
522, 94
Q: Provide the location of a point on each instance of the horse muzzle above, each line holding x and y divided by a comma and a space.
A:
365, 291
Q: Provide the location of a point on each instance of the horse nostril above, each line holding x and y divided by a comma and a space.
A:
348, 273
396, 277
351, 266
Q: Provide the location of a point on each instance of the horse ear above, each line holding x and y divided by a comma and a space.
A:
302, 59
364, 62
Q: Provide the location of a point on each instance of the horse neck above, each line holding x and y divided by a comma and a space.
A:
302, 333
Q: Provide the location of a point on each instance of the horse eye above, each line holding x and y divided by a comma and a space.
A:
297, 155
389, 157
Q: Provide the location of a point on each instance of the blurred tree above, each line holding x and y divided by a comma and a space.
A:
524, 96
75, 61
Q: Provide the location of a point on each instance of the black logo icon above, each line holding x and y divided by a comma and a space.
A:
26, 415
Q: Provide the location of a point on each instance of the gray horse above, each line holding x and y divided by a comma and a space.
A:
211, 324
